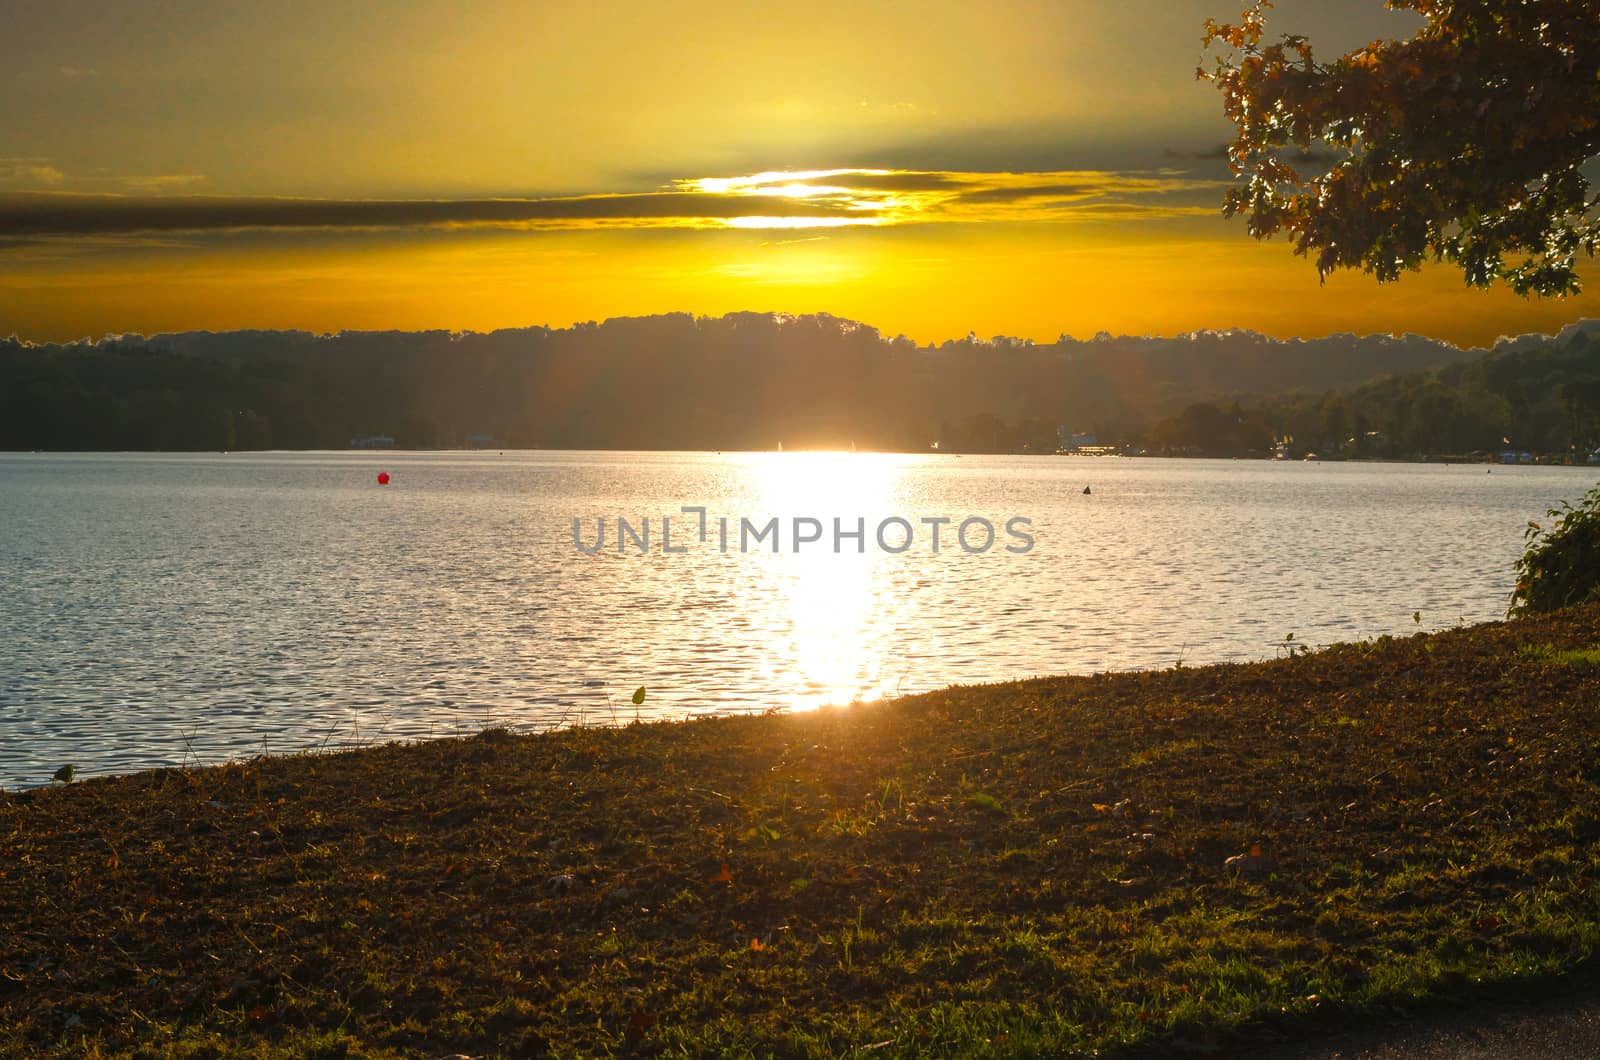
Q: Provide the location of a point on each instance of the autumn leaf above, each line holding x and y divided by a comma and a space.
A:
723, 877
640, 1022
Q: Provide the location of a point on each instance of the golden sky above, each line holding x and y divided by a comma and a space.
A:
931, 168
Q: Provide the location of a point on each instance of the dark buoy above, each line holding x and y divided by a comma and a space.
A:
1086, 489
383, 478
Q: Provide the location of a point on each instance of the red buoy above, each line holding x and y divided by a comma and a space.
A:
383, 478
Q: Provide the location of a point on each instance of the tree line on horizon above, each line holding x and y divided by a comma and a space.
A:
1544, 399
760, 380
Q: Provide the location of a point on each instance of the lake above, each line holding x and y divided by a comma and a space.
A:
166, 609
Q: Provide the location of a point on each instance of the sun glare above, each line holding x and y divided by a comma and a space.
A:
832, 601
767, 183
817, 185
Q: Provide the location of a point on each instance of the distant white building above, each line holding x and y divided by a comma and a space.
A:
1070, 439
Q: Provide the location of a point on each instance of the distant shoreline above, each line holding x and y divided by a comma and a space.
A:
1488, 460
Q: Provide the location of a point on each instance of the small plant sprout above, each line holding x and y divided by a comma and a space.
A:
65, 773
638, 701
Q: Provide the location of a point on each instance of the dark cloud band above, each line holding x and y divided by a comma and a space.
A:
824, 198
81, 215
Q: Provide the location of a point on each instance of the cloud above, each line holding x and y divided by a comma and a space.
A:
41, 172
162, 181
831, 198
1216, 153
901, 180
30, 171
900, 197
41, 214
1219, 153
1017, 194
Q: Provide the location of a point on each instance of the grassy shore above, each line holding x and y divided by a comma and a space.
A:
1179, 860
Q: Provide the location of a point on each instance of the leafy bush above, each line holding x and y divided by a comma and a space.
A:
1560, 565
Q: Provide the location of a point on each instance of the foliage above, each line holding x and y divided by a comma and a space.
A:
743, 381
1561, 564
1070, 866
1465, 142
1543, 398
1208, 429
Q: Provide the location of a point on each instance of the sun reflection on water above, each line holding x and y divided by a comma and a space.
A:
834, 605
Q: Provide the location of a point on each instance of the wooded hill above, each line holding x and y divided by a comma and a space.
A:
1531, 397
742, 381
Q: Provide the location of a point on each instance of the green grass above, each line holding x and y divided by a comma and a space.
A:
1031, 869
1585, 656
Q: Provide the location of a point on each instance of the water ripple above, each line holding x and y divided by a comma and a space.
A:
169, 610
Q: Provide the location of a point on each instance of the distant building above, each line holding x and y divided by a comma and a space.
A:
1072, 440
372, 441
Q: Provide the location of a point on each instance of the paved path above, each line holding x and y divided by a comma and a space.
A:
1564, 1025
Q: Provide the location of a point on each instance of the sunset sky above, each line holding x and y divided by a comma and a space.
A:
933, 168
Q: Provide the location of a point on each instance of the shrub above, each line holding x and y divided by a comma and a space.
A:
1560, 565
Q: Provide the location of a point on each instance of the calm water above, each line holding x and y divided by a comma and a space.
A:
163, 609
